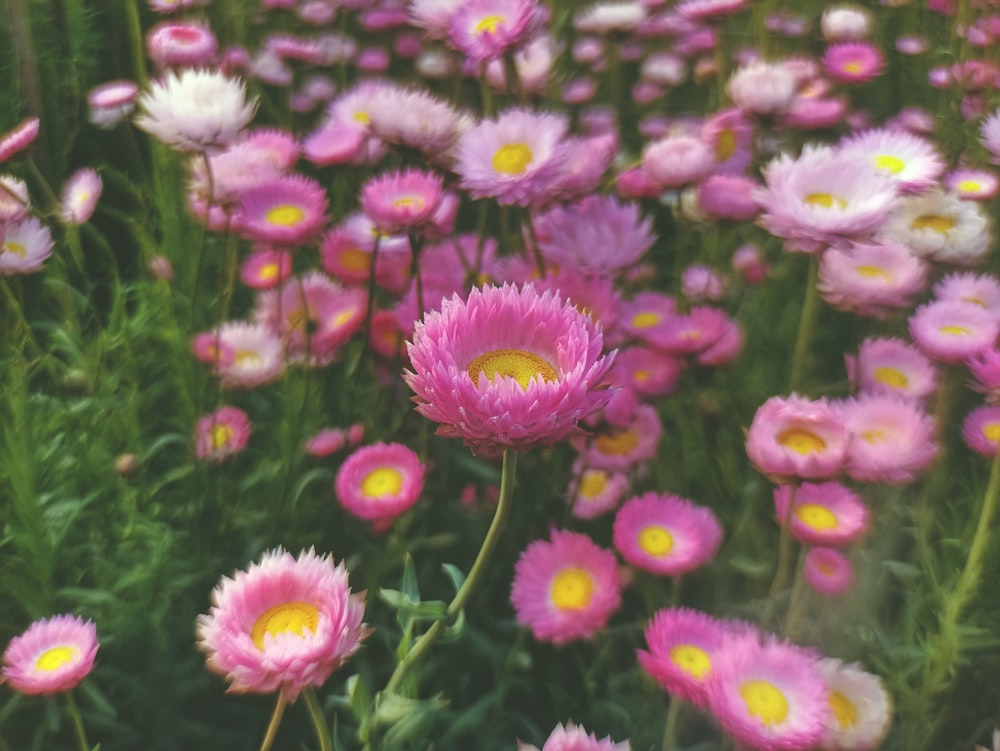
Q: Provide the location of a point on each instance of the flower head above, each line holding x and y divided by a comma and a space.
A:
402, 201
861, 708
892, 439
565, 589
508, 368
53, 655
283, 624
952, 331
381, 481
892, 366
222, 433
821, 514
853, 62
80, 196
288, 210
110, 103
24, 247
981, 430
576, 738
15, 141
485, 29
828, 571
796, 437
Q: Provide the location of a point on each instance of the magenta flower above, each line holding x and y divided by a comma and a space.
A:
54, 655
15, 141
403, 201
828, 571
509, 368
981, 430
953, 331
892, 439
576, 738
827, 513
796, 437
289, 210
853, 62
380, 482
283, 624
222, 433
485, 29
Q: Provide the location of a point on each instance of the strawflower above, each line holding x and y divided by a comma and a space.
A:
795, 437
222, 433
54, 655
828, 571
828, 513
575, 738
861, 708
380, 482
80, 195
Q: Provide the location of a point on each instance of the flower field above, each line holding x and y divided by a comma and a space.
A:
500, 375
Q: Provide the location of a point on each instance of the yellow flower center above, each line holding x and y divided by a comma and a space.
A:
954, 330
824, 200
691, 659
725, 145
55, 657
354, 259
969, 186
852, 67
593, 483
285, 215
873, 436
843, 709
268, 271
620, 443
247, 357
15, 248
889, 163
645, 320
571, 589
288, 617
512, 158
382, 482
409, 202
655, 540
871, 272
362, 118
764, 701
220, 436
488, 24
518, 364
891, 377
641, 375
935, 222
815, 516
991, 432
801, 441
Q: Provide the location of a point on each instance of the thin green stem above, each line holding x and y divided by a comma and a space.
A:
670, 729
77, 720
318, 720
475, 574
272, 727
783, 568
807, 323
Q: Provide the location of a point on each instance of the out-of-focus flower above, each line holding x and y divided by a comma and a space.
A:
912, 160
892, 366
762, 88
575, 738
222, 433
402, 201
981, 430
853, 62
953, 331
828, 513
796, 437
485, 29
80, 195
380, 482
54, 655
13, 142
111, 102
871, 280
828, 571
181, 43
287, 211
861, 708
24, 247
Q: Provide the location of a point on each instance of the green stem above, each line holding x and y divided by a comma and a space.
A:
807, 323
272, 728
77, 720
670, 729
475, 574
783, 568
318, 720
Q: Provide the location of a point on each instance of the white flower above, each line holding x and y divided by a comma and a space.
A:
940, 226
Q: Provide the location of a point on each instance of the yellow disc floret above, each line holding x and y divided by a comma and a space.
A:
381, 482
518, 364
764, 701
288, 617
512, 158
572, 588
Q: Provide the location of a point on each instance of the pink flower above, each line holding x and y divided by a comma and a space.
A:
762, 88
266, 268
828, 571
15, 141
731, 197
222, 433
380, 482
985, 368
24, 247
853, 62
665, 534
619, 449
827, 514
892, 440
795, 437
871, 280
326, 442
283, 624
677, 160
54, 655
575, 738
594, 491
402, 201
509, 368
861, 707
981, 430
289, 210
180, 43
953, 331
892, 366
485, 29
80, 195
565, 589
244, 355
111, 102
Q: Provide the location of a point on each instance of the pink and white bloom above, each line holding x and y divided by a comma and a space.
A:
892, 440
953, 331
871, 280
484, 29
796, 437
939, 226
403, 201
380, 482
892, 366
54, 655
762, 88
828, 571
80, 195
861, 708
222, 434
912, 160
14, 141
575, 738
111, 102
828, 513
24, 247
288, 210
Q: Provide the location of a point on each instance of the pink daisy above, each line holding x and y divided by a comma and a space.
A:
402, 201
665, 534
979, 289
380, 481
953, 331
24, 247
912, 160
508, 368
111, 102
861, 708
251, 355
796, 437
981, 430
13, 142
14, 200
892, 366
222, 433
683, 645
283, 624
747, 260
939, 226
334, 143
645, 315
575, 738
266, 268
892, 440
827, 513
729, 134
985, 368
432, 125
677, 160
594, 491
762, 88
180, 44
649, 371
828, 571
731, 197
80, 195
768, 696
619, 449
485, 29
972, 184
54, 655
515, 158
853, 62
288, 210
871, 280
565, 589
325, 442
689, 333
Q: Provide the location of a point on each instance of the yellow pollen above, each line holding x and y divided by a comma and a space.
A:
362, 118
645, 320
889, 163
220, 436
55, 657
725, 145
288, 617
843, 709
571, 589
991, 432
851, 67
354, 259
872, 272
815, 516
341, 318
801, 441
764, 701
382, 482
15, 248
593, 483
891, 377
268, 271
655, 540
826, 569
691, 659
620, 443
488, 24
969, 186
512, 158
409, 202
824, 200
285, 215
954, 330
518, 364
247, 357
934, 222
641, 375
873, 436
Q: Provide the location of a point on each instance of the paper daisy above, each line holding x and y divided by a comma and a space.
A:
181, 44
644, 316
565, 589
769, 696
796, 437
828, 571
853, 62
650, 372
892, 366
979, 289
283, 624
575, 738
24, 247
827, 513
861, 708
665, 534
221, 434
619, 449
508, 368
762, 88
289, 210
80, 195
981, 430
953, 331
871, 280
989, 135
266, 268
594, 491
253, 355
972, 184
939, 226
380, 481
985, 368
485, 29
892, 440
54, 655
403, 201
912, 160
111, 102
13, 142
